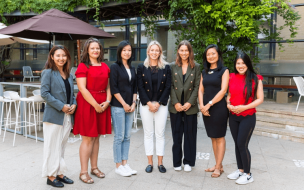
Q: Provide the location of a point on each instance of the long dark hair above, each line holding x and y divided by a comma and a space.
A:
250, 75
178, 60
51, 63
120, 47
85, 57
220, 61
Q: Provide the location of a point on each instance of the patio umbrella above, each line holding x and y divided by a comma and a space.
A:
54, 23
6, 40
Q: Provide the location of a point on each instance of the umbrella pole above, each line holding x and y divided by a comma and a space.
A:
54, 38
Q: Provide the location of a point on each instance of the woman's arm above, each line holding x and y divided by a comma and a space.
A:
81, 83
201, 97
46, 91
255, 103
193, 98
106, 103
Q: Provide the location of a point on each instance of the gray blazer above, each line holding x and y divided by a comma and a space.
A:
54, 93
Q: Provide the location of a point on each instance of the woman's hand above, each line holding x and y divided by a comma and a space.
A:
205, 110
178, 107
186, 106
104, 105
133, 107
72, 109
65, 109
239, 109
127, 108
157, 105
98, 108
152, 107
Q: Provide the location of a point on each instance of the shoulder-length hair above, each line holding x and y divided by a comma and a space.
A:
51, 63
250, 76
85, 57
120, 47
220, 61
161, 59
178, 60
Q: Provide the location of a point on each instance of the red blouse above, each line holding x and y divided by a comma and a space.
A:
236, 89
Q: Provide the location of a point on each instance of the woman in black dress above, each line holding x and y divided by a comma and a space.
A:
213, 87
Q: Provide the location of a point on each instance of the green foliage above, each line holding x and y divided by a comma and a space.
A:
228, 22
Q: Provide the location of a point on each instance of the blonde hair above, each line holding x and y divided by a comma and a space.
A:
161, 59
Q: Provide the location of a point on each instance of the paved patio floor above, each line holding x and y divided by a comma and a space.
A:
272, 165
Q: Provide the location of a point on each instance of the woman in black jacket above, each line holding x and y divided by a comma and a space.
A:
124, 94
154, 85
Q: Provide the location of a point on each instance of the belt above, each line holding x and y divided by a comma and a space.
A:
97, 91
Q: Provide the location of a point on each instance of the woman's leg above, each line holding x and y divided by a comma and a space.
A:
85, 152
118, 119
221, 147
147, 121
177, 127
160, 118
125, 146
234, 124
94, 155
52, 134
65, 136
246, 128
190, 132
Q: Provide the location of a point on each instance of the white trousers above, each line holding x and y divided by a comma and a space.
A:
55, 140
160, 118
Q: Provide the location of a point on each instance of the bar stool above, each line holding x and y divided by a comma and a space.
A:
136, 117
38, 100
29, 102
5, 103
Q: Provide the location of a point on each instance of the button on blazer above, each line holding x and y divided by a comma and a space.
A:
144, 81
120, 83
190, 87
53, 91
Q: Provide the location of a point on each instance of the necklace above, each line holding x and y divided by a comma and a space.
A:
210, 72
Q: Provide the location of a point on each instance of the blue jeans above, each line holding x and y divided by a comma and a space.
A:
122, 124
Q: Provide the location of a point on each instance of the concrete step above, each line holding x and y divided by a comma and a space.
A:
279, 133
280, 115
280, 121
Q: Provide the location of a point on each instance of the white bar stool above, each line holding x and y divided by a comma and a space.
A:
31, 107
5, 122
38, 100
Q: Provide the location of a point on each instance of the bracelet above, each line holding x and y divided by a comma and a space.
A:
108, 101
134, 101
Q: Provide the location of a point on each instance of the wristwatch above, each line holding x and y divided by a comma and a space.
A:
108, 101
210, 102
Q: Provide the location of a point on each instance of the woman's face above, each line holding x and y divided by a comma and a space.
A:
60, 58
154, 52
241, 67
212, 56
183, 52
126, 52
94, 50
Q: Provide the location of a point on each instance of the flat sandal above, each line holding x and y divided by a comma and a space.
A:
84, 177
97, 172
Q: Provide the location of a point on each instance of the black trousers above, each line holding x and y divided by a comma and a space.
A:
183, 125
241, 129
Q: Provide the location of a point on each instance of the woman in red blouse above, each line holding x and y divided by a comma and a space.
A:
245, 93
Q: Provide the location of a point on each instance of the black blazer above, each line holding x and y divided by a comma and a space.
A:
145, 84
119, 83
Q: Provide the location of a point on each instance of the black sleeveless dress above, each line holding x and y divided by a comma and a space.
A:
216, 123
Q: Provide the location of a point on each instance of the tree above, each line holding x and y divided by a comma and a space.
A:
229, 23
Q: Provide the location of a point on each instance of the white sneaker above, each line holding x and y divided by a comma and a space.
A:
244, 179
187, 168
122, 171
235, 175
178, 168
127, 167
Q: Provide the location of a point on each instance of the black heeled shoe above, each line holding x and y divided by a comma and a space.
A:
162, 169
55, 183
65, 179
149, 169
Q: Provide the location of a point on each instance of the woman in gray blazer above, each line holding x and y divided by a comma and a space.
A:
57, 90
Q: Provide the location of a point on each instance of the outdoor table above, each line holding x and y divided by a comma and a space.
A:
23, 94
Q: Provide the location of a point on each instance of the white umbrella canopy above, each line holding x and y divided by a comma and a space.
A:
6, 39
